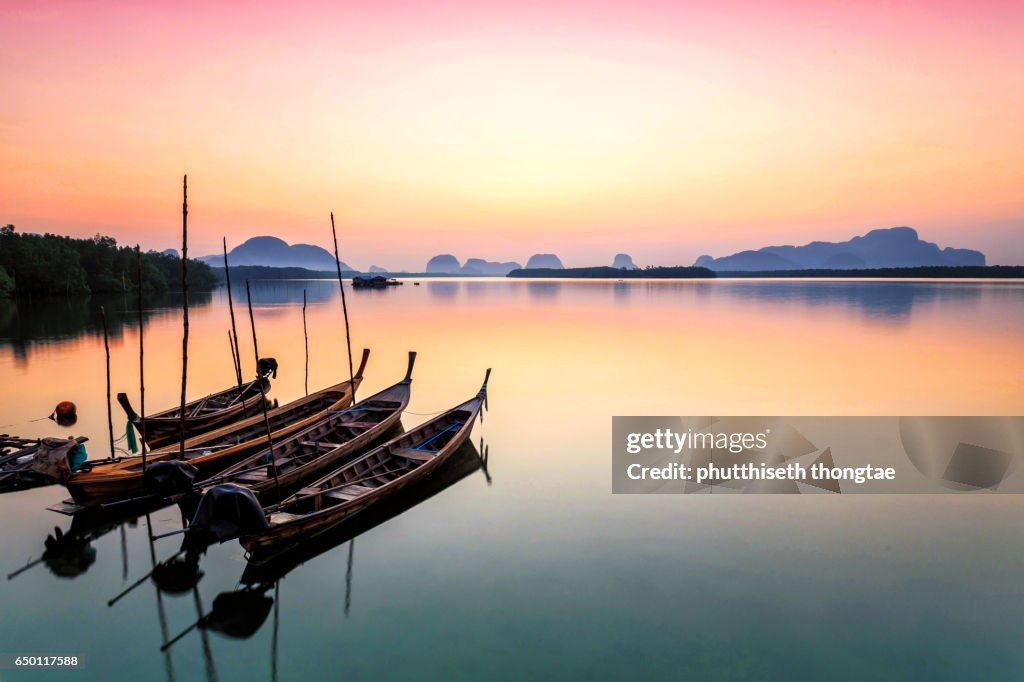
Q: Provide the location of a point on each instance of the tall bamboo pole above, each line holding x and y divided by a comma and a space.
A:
184, 313
305, 337
263, 395
344, 309
234, 358
106, 349
231, 309
142, 367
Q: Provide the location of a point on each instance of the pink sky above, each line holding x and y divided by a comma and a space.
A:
500, 129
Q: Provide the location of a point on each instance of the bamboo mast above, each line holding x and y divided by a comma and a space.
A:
344, 309
184, 311
231, 309
234, 358
142, 373
263, 395
106, 349
305, 336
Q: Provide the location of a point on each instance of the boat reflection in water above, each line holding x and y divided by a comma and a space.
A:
69, 553
241, 613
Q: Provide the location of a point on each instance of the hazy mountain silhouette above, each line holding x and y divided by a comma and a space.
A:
544, 260
479, 266
444, 264
276, 252
624, 261
883, 248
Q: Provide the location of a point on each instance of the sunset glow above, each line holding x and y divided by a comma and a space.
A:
497, 130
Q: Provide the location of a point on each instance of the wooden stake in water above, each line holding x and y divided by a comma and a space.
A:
234, 358
344, 309
305, 336
106, 349
184, 314
263, 395
231, 309
142, 373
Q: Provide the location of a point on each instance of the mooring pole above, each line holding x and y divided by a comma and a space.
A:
184, 313
231, 349
344, 309
106, 349
305, 337
263, 395
231, 309
142, 366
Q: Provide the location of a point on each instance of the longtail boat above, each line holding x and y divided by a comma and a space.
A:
465, 461
204, 414
368, 479
213, 452
324, 445
18, 469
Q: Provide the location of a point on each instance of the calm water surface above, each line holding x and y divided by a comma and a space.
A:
540, 572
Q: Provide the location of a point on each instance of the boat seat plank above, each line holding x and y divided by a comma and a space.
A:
417, 455
252, 477
338, 495
356, 490
282, 517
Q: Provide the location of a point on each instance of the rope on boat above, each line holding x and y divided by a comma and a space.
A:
424, 414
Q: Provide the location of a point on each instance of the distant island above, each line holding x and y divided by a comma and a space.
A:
894, 247
447, 264
606, 272
277, 253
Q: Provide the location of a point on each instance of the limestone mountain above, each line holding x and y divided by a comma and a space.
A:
275, 252
892, 247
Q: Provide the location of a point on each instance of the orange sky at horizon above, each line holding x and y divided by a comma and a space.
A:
498, 130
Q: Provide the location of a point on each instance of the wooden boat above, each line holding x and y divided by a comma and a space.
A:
204, 414
213, 452
17, 456
465, 461
324, 445
368, 479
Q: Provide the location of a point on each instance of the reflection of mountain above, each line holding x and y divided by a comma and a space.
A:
27, 320
282, 291
885, 248
883, 300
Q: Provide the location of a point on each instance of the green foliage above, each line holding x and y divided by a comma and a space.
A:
6, 284
53, 264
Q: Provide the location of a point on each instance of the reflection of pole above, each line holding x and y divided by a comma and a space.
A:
348, 575
273, 649
211, 671
168, 663
124, 553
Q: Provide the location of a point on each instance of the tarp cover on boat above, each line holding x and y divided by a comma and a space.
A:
225, 512
51, 458
171, 476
